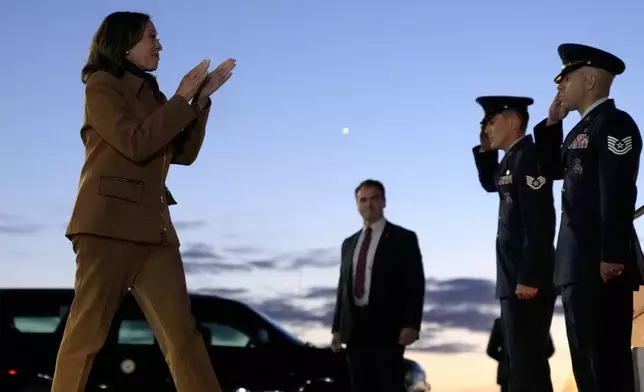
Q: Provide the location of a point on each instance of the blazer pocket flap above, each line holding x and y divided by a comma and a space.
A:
121, 188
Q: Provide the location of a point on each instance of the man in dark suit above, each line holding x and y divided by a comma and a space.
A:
597, 248
495, 350
381, 293
525, 236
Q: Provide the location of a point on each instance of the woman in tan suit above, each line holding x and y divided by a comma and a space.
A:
121, 228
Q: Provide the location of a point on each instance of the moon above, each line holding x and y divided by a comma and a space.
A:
345, 130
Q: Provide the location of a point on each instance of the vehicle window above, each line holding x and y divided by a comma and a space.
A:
36, 324
226, 336
135, 332
287, 334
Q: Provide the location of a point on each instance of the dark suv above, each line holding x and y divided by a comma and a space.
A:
249, 351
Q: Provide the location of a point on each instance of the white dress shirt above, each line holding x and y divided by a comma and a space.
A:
376, 232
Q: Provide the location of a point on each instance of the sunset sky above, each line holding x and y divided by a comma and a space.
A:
263, 211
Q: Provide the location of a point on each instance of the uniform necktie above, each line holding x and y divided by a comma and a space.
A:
358, 290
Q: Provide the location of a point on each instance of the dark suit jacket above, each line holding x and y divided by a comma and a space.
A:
132, 134
495, 349
397, 291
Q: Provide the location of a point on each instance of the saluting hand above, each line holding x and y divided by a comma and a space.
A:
610, 270
526, 292
485, 140
557, 111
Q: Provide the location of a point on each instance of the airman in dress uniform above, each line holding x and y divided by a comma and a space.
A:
597, 249
525, 238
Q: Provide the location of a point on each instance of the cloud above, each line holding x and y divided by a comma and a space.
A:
450, 303
315, 258
191, 267
461, 291
463, 303
242, 250
321, 292
443, 348
263, 264
202, 258
291, 310
469, 318
223, 291
285, 311
189, 225
15, 225
197, 252
239, 294
200, 251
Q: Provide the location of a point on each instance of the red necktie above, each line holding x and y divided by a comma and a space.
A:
358, 289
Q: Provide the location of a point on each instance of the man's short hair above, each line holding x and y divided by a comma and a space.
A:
371, 183
524, 117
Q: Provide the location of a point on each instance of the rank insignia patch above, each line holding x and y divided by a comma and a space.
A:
620, 147
535, 183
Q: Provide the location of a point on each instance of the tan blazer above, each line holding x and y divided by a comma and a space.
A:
131, 136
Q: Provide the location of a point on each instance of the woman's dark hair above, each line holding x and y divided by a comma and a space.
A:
117, 34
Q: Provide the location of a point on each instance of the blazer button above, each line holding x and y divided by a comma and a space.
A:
563, 190
565, 170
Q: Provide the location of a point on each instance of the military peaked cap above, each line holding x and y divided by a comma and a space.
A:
494, 104
575, 56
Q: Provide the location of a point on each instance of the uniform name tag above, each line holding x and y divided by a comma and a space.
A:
581, 141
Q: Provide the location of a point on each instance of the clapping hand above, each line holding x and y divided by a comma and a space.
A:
192, 81
214, 80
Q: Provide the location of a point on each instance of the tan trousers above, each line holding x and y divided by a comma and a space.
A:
105, 269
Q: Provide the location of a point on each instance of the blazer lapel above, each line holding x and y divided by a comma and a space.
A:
385, 237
